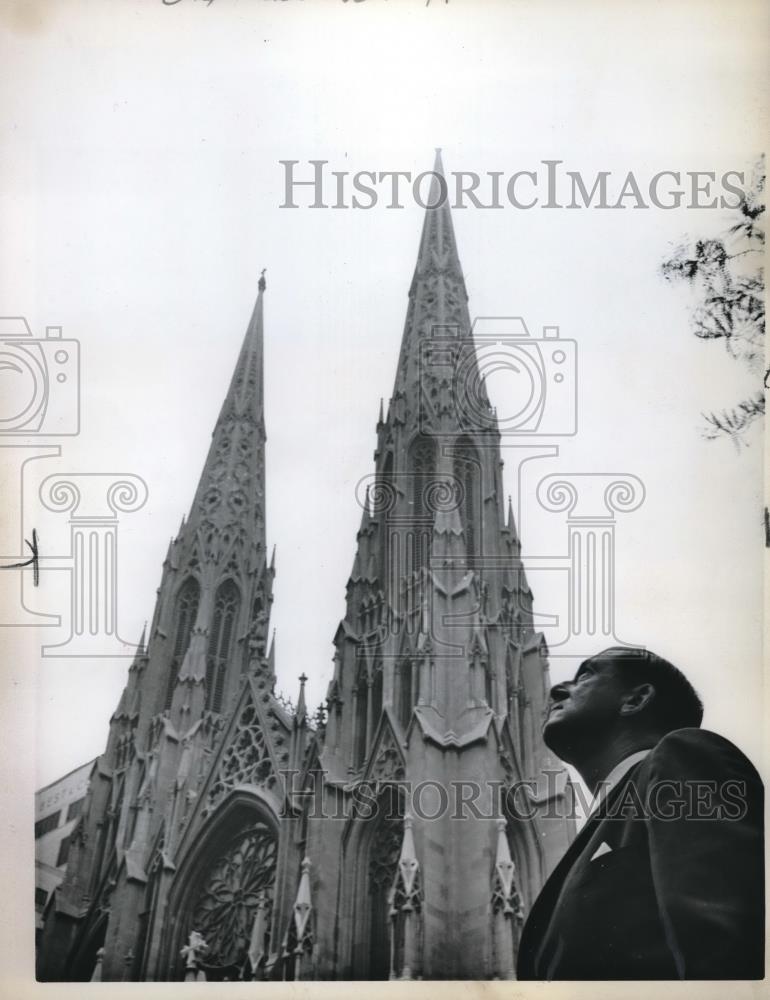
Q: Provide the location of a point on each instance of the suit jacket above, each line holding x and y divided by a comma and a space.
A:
666, 878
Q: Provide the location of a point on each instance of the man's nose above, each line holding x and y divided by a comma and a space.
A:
559, 692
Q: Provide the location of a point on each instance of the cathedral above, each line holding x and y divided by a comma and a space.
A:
403, 829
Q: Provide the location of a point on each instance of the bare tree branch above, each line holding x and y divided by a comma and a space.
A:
732, 305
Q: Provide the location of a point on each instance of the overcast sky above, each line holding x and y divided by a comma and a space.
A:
141, 200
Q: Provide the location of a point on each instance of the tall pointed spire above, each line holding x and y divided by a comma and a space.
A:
231, 488
437, 316
246, 393
221, 548
438, 247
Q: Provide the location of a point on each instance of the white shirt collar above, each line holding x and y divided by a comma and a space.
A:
616, 775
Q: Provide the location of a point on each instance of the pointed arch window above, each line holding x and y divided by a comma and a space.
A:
467, 472
406, 693
185, 613
384, 849
389, 538
362, 714
422, 469
376, 695
146, 917
226, 607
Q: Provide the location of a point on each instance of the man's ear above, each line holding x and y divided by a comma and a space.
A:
637, 699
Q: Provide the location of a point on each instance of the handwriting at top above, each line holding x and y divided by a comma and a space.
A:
208, 3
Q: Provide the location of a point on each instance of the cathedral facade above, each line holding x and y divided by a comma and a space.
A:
402, 830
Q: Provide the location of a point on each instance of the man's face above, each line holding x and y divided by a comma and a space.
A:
582, 711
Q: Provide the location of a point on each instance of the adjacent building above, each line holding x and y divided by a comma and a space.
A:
57, 808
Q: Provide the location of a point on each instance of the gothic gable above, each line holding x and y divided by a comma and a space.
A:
252, 753
386, 760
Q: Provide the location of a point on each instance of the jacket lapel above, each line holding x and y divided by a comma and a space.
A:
542, 908
536, 927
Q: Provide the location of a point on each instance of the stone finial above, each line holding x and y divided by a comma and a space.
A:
301, 713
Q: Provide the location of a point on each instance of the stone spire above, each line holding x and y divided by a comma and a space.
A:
436, 505
507, 913
218, 583
124, 719
437, 345
300, 714
438, 247
302, 924
230, 495
407, 900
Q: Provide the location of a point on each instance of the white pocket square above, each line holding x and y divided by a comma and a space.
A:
603, 848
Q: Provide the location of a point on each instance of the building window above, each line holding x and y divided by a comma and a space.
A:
184, 619
40, 898
390, 564
229, 896
226, 608
384, 849
468, 477
376, 696
64, 852
422, 468
488, 691
75, 809
362, 710
406, 694
47, 824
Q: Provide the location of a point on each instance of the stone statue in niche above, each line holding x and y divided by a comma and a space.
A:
258, 633
191, 953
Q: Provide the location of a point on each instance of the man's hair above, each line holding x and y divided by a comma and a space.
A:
676, 704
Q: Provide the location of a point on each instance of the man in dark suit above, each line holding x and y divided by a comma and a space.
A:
666, 878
